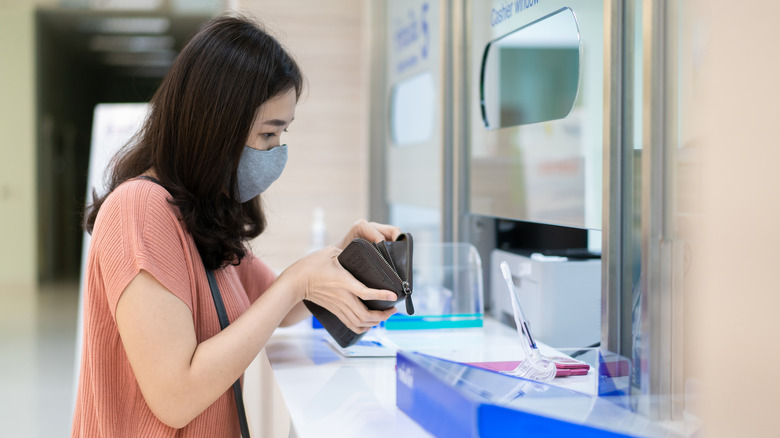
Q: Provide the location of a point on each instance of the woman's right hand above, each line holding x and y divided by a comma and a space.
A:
320, 278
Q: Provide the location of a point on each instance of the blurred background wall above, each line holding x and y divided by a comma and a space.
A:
736, 295
18, 230
328, 160
61, 58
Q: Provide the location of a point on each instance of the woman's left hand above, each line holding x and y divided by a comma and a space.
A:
371, 231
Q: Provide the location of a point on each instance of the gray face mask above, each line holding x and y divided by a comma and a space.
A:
257, 170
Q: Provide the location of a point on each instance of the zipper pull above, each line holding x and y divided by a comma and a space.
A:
408, 295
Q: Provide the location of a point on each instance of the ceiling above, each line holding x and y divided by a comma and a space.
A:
125, 43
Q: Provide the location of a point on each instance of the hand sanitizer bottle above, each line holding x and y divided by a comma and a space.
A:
318, 231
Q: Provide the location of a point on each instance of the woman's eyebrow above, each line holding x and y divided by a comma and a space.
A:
277, 122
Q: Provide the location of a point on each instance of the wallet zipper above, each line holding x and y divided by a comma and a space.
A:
407, 290
407, 286
408, 298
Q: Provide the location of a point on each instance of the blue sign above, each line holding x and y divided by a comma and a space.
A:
411, 38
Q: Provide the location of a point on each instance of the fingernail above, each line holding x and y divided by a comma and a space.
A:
390, 297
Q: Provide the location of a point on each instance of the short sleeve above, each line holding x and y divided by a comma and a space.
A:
138, 229
255, 276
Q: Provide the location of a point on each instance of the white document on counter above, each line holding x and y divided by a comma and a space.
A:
373, 344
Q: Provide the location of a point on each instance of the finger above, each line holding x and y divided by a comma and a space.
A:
342, 310
366, 293
368, 231
388, 232
357, 323
357, 317
375, 232
352, 321
388, 313
375, 317
366, 319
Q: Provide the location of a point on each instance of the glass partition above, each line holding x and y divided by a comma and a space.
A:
535, 137
411, 110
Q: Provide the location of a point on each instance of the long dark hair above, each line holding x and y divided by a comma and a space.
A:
199, 120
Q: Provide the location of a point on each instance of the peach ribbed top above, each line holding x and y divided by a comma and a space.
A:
137, 228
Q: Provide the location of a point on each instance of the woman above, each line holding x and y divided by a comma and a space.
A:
183, 199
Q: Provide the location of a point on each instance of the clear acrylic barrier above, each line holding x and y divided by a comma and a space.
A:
447, 288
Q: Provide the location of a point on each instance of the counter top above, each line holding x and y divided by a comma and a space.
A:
329, 394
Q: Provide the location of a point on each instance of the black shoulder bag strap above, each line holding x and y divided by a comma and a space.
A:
223, 322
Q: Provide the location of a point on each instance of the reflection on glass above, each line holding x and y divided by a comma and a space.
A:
531, 75
412, 110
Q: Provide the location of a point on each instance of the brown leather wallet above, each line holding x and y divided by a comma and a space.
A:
381, 265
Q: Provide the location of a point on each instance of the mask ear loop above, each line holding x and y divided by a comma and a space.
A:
535, 366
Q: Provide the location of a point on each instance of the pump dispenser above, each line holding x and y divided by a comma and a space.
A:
318, 232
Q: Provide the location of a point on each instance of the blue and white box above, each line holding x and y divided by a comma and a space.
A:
452, 399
